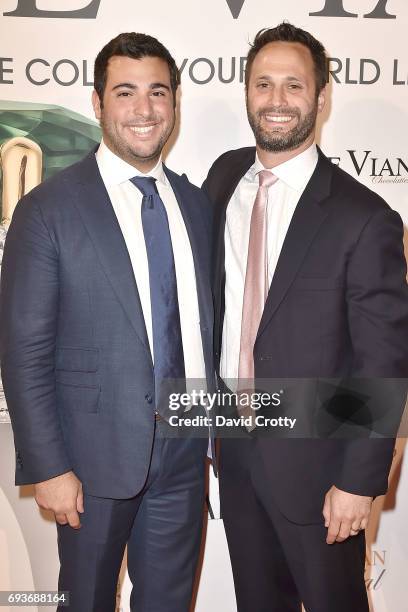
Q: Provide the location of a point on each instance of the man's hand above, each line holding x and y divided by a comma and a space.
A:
63, 495
345, 514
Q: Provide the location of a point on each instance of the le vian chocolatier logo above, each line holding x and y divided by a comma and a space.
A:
379, 168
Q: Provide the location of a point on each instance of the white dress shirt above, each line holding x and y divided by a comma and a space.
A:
126, 200
283, 197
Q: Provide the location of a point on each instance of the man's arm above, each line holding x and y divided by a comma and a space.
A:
377, 302
29, 318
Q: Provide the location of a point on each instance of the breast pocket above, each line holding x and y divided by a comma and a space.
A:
311, 283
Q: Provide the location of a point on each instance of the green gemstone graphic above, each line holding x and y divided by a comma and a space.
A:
64, 138
63, 135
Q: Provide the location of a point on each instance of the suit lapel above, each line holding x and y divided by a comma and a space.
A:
306, 221
228, 184
200, 245
98, 216
184, 197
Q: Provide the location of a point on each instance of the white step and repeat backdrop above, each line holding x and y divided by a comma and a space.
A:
47, 49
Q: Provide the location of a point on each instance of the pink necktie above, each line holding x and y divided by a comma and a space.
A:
256, 281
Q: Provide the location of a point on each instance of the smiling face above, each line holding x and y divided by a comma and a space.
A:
137, 115
282, 105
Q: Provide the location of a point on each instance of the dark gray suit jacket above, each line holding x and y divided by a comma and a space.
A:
337, 309
76, 364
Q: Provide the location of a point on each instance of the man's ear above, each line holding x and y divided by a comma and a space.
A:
96, 103
177, 98
321, 99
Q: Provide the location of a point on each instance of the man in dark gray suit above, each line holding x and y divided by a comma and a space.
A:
105, 296
310, 269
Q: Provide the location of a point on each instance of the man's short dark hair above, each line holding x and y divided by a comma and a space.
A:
286, 32
135, 46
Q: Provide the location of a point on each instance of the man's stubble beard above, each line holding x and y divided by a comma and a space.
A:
281, 142
129, 154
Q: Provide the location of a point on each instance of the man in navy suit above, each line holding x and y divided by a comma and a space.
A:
105, 295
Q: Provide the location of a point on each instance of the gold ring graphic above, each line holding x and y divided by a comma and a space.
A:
21, 163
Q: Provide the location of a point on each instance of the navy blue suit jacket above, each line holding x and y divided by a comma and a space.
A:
76, 364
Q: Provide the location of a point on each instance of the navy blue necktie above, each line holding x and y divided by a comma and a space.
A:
169, 372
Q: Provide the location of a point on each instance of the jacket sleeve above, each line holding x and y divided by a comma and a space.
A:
377, 305
29, 317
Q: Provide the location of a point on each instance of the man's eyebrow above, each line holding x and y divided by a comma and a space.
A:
159, 85
263, 77
132, 86
127, 85
267, 77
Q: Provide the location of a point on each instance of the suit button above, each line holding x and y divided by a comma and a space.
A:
148, 398
19, 461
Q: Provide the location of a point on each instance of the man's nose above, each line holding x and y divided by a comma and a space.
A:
142, 105
278, 96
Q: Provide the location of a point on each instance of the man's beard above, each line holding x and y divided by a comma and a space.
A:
282, 141
125, 150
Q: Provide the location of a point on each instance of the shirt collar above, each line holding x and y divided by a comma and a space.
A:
295, 172
115, 170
